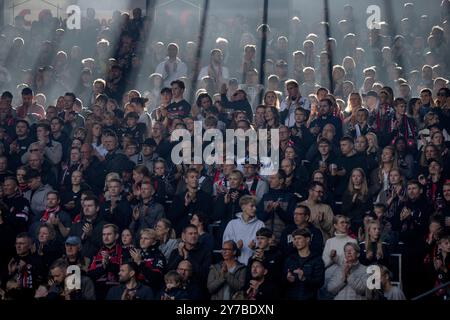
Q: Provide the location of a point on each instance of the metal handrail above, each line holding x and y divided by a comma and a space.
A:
431, 291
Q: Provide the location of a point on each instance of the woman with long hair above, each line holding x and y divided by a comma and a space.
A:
356, 201
413, 111
271, 99
373, 250
379, 177
394, 196
429, 152
373, 149
272, 118
166, 236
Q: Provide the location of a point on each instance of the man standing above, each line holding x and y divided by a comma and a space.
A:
104, 269
129, 288
292, 102
59, 289
172, 68
304, 271
179, 107
321, 213
116, 209
148, 211
29, 109
37, 195
89, 229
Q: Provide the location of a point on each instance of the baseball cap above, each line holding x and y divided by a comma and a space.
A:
73, 241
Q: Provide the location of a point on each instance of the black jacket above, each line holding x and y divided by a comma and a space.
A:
92, 244
142, 293
316, 244
314, 272
199, 257
152, 268
180, 215
120, 215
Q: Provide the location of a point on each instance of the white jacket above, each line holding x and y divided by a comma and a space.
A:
237, 229
336, 243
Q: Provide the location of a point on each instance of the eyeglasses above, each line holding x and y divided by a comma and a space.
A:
227, 249
34, 150
441, 94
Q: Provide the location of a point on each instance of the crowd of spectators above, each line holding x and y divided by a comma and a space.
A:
87, 176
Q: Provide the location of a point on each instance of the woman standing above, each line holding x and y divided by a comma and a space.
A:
356, 201
166, 237
373, 250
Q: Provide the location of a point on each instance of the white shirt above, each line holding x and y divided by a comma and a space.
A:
290, 119
181, 71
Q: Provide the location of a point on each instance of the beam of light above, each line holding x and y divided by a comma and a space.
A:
330, 53
201, 37
262, 74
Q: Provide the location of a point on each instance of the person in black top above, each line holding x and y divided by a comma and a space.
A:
116, 209
186, 203
239, 102
179, 107
259, 287
130, 288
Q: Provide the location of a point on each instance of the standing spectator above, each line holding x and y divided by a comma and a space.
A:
227, 277
116, 209
172, 68
321, 213
105, 266
59, 291
129, 288
189, 249
303, 270
302, 216
349, 280
242, 230
89, 228
276, 207
150, 260
148, 211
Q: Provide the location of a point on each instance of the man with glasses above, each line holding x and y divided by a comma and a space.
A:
302, 216
321, 213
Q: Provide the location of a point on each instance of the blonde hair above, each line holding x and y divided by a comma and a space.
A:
364, 191
379, 252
